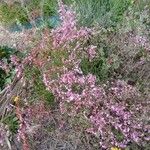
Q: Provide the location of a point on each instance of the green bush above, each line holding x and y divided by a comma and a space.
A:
5, 53
97, 66
104, 12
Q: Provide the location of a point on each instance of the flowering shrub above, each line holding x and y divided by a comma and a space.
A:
73, 73
78, 93
112, 118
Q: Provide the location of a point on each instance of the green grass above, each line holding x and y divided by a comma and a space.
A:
11, 121
9, 14
38, 86
46, 7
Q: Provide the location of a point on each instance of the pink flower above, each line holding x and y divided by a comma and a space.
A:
14, 60
68, 78
135, 136
92, 52
91, 79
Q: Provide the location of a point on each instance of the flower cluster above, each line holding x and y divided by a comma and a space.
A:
14, 60
115, 124
67, 31
111, 120
79, 90
123, 91
92, 52
141, 41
